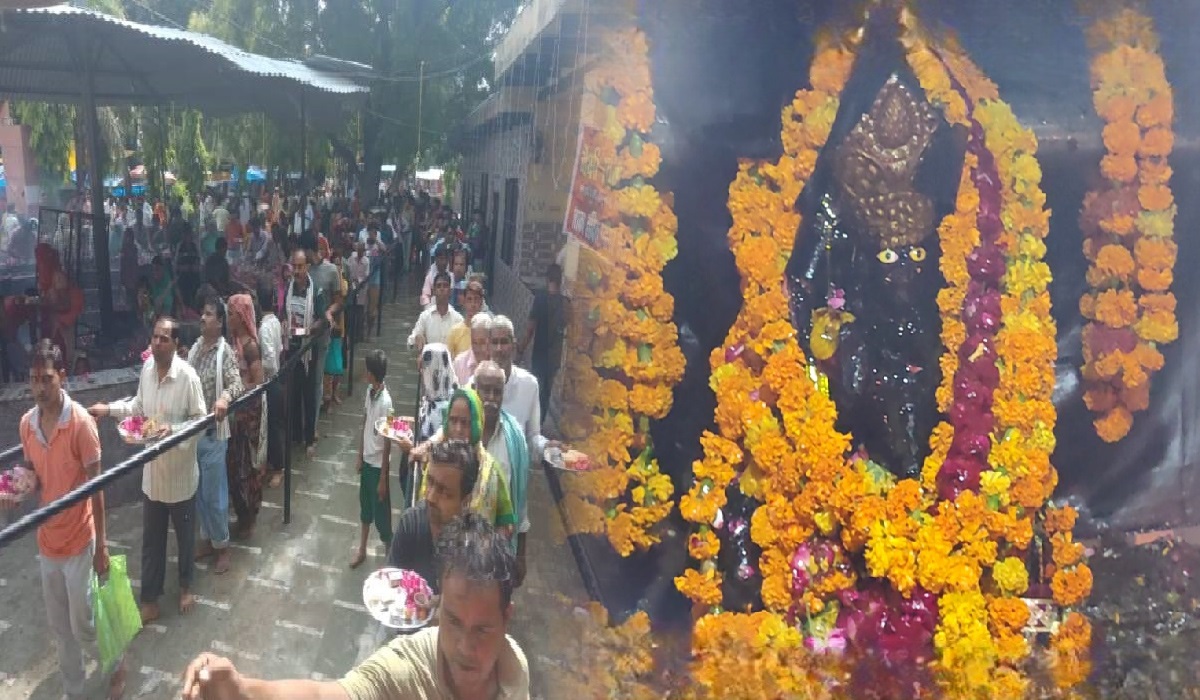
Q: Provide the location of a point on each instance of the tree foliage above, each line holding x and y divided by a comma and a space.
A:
51, 133
454, 38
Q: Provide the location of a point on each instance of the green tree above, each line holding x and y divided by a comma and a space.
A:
51, 135
455, 40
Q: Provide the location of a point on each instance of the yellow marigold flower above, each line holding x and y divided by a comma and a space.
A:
1011, 575
993, 483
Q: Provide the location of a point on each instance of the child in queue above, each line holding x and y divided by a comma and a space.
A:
374, 499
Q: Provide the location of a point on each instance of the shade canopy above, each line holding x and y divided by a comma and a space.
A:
47, 54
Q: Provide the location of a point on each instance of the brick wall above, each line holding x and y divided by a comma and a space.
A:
540, 244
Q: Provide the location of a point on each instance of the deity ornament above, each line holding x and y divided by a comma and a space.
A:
863, 278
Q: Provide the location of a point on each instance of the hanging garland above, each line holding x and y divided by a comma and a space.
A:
627, 360
1128, 224
950, 546
598, 659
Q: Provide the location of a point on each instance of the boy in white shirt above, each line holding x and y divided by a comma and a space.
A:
374, 500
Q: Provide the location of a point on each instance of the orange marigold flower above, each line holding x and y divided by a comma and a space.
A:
1155, 197
1136, 398
1119, 168
702, 588
1154, 171
1100, 398
1122, 138
1158, 302
1118, 224
1011, 647
1157, 142
1155, 280
1116, 309
1071, 586
1116, 108
1087, 306
1159, 111
1060, 519
1066, 551
704, 545
1114, 425
1156, 253
1115, 261
1008, 613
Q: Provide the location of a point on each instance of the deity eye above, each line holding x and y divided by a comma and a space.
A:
916, 254
887, 256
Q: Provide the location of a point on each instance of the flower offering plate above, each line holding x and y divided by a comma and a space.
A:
16, 484
568, 460
139, 430
399, 428
399, 599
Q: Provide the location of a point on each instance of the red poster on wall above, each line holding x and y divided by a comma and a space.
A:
583, 208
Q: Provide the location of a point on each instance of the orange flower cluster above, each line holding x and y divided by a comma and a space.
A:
1128, 224
754, 656
627, 359
766, 400
598, 658
777, 425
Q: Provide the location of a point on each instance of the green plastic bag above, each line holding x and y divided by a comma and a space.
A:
116, 613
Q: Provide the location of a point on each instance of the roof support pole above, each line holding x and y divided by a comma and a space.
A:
91, 125
303, 147
162, 154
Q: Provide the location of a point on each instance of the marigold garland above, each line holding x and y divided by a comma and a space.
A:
1128, 224
958, 547
597, 659
627, 359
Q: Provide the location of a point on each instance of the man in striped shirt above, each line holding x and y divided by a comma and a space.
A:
170, 393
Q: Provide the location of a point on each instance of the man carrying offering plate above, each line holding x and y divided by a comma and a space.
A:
62, 445
468, 655
170, 393
449, 483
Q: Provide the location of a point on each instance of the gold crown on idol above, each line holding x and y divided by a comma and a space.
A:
877, 164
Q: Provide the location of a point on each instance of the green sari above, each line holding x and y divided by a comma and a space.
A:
492, 497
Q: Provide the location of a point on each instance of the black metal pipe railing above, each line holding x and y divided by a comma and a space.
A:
191, 429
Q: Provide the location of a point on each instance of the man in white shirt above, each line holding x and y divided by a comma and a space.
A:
441, 263
522, 403
273, 431
434, 323
521, 398
221, 217
170, 393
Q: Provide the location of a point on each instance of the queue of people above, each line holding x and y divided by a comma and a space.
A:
466, 534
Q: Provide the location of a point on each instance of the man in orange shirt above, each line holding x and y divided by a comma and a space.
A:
63, 446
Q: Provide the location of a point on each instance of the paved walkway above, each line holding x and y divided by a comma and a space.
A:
289, 607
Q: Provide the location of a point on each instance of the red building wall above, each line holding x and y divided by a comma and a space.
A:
20, 166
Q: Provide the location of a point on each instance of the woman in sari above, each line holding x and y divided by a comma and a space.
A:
162, 287
242, 463
491, 498
62, 302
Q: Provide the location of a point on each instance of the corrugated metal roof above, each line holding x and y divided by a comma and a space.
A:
42, 51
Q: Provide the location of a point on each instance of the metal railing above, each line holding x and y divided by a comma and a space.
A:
37, 517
